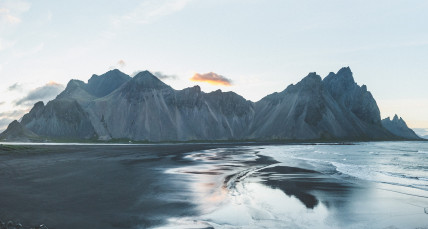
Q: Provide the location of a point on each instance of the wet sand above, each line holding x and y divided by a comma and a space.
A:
93, 186
187, 186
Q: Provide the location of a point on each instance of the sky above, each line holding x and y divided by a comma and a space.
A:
252, 47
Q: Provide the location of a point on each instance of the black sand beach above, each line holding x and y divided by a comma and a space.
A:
183, 186
92, 186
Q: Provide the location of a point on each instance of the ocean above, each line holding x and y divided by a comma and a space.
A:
358, 185
401, 164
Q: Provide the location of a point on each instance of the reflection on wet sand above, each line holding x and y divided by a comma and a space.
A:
239, 187
304, 184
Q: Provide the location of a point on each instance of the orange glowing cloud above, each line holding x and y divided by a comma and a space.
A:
121, 63
53, 83
211, 78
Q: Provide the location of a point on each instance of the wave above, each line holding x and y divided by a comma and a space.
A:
371, 173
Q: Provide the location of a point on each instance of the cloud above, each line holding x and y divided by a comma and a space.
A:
15, 86
44, 93
121, 63
4, 122
16, 114
7, 117
11, 10
7, 17
212, 78
151, 10
162, 76
2, 102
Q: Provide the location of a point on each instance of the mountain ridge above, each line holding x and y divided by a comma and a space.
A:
143, 108
399, 127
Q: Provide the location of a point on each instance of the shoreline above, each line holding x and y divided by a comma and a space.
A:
235, 142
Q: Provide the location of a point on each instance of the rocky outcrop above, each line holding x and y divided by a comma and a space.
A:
399, 127
153, 111
17, 132
352, 97
333, 108
143, 108
60, 119
103, 85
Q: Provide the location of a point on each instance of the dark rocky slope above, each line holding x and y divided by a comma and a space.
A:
399, 127
17, 132
116, 106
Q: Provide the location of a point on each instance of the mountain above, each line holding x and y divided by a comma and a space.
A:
60, 119
97, 86
147, 109
399, 127
143, 108
17, 132
333, 108
103, 85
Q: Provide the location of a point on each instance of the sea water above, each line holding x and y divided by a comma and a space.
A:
396, 163
374, 185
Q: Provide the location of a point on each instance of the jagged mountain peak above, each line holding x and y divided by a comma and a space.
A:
311, 79
17, 132
106, 83
396, 118
38, 105
218, 91
357, 99
399, 127
343, 77
75, 83
194, 89
72, 85
146, 74
76, 89
14, 124
310, 82
225, 94
115, 73
146, 79
345, 70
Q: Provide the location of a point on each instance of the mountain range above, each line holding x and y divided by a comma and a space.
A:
116, 106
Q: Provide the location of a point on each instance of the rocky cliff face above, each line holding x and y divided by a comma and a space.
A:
399, 127
103, 85
333, 108
61, 119
116, 106
17, 132
352, 97
151, 110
